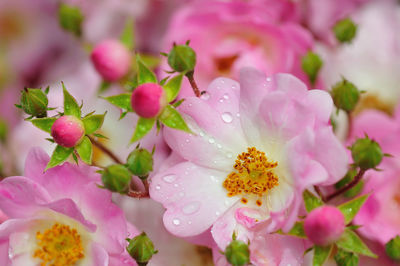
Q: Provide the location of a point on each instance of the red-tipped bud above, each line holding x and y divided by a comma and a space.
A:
68, 131
324, 225
111, 59
148, 100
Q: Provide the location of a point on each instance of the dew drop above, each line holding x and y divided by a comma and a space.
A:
189, 222
269, 79
176, 185
187, 140
226, 96
158, 187
201, 134
217, 213
176, 221
227, 117
191, 207
218, 87
221, 100
219, 146
169, 178
233, 86
222, 81
205, 96
229, 155
211, 140
238, 115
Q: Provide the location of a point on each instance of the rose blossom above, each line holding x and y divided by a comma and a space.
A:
62, 203
271, 135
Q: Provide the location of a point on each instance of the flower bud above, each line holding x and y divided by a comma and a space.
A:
366, 153
68, 131
116, 178
141, 248
345, 95
111, 59
140, 163
392, 248
3, 130
324, 225
182, 58
34, 102
345, 30
237, 253
311, 63
148, 100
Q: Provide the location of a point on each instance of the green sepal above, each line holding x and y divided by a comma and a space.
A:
122, 101
100, 136
352, 243
311, 201
311, 63
128, 36
85, 150
71, 107
145, 75
44, 124
172, 87
93, 123
351, 208
143, 126
344, 258
104, 85
321, 254
60, 155
173, 119
297, 230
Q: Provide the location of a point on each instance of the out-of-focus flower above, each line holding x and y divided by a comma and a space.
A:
256, 146
230, 35
61, 204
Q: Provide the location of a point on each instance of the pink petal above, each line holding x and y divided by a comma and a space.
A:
99, 255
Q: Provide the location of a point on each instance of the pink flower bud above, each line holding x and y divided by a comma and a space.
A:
68, 131
111, 59
324, 225
148, 100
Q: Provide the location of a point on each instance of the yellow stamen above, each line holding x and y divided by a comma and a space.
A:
59, 246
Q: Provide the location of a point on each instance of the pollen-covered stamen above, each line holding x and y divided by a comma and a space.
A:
253, 175
59, 245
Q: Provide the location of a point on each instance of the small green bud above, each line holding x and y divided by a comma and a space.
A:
70, 19
140, 162
345, 30
116, 178
34, 102
141, 248
311, 63
393, 248
366, 153
345, 95
237, 253
182, 58
3, 130
344, 258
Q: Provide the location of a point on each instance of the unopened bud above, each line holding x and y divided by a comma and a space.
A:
311, 63
182, 58
237, 253
345, 95
68, 131
141, 248
111, 59
392, 248
366, 153
34, 102
116, 178
140, 162
70, 18
324, 225
345, 30
148, 100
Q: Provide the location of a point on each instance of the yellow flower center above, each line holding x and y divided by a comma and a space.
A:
59, 246
253, 175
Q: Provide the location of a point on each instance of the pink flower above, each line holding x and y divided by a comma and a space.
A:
64, 202
230, 35
271, 131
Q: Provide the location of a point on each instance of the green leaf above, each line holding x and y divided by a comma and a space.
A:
344, 258
145, 75
321, 254
70, 18
352, 243
71, 107
351, 208
93, 123
121, 100
44, 124
127, 36
85, 150
143, 126
311, 201
104, 86
297, 230
172, 87
100, 136
60, 154
173, 119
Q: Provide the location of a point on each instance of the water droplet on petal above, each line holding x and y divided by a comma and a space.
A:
187, 140
229, 155
189, 222
233, 86
217, 213
190, 105
238, 115
221, 100
201, 134
158, 187
222, 81
226, 96
211, 140
176, 221
219, 146
205, 96
169, 178
191, 207
227, 117
176, 185
269, 79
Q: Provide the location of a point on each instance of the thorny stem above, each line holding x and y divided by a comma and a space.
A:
349, 186
105, 150
349, 125
192, 82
